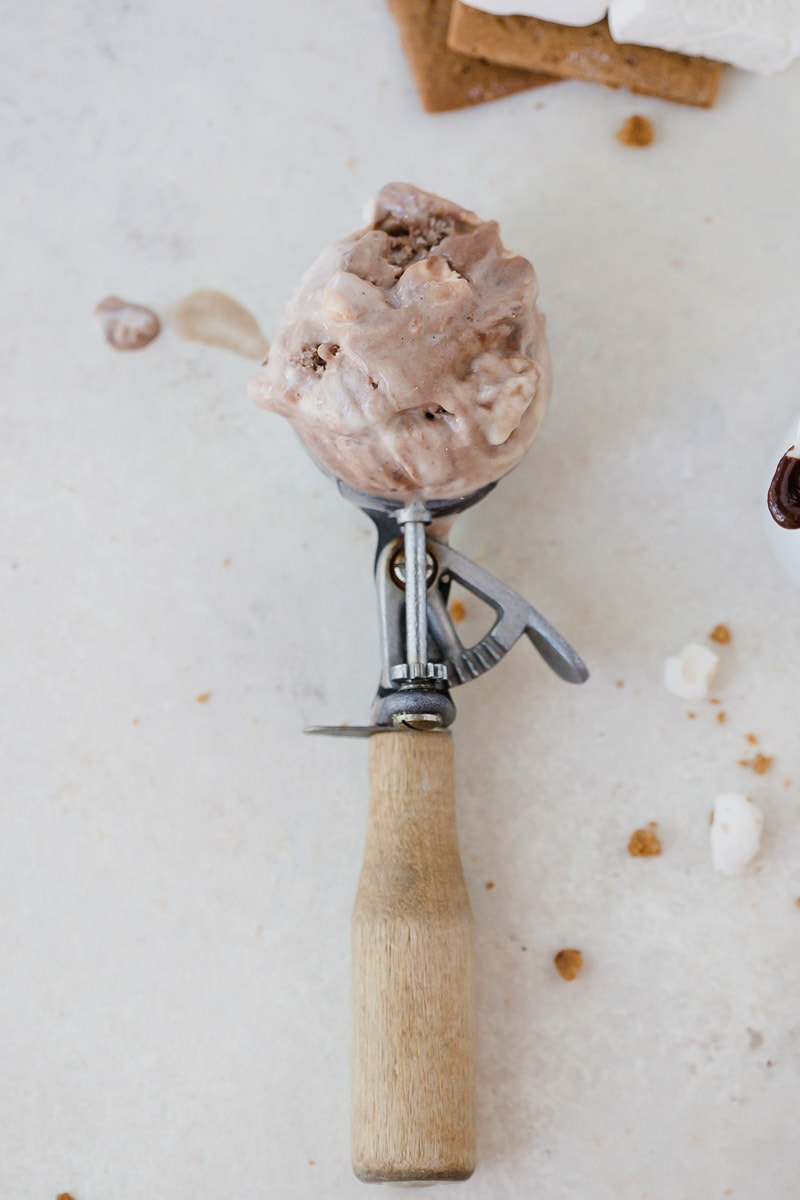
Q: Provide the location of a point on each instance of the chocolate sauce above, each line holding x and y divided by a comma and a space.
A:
783, 497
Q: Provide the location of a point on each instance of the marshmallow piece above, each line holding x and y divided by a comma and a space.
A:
756, 35
346, 298
735, 833
564, 12
689, 674
431, 281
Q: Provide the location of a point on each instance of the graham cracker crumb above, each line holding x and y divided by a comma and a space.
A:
620, 683
63, 1196
204, 698
568, 963
226, 562
760, 763
722, 717
489, 884
458, 610
751, 738
715, 700
691, 715
644, 843
720, 634
637, 131
797, 901
312, 1162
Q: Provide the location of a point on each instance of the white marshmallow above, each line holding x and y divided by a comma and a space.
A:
565, 12
689, 674
735, 833
757, 35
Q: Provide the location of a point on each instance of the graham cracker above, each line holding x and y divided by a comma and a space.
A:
587, 52
444, 78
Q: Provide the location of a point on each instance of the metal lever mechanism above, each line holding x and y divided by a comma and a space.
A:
422, 655
515, 617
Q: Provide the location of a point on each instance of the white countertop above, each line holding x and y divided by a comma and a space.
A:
176, 878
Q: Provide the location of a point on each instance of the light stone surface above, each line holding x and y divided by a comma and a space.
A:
175, 893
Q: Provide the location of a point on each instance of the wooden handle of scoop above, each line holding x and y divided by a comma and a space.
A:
413, 1011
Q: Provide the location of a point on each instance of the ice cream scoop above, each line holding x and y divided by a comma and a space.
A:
451, 324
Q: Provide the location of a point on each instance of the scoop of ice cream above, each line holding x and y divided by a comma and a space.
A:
412, 360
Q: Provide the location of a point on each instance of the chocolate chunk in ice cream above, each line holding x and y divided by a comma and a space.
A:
413, 360
783, 497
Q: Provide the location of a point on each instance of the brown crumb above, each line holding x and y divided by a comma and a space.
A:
644, 843
722, 716
751, 738
715, 700
204, 698
312, 1162
620, 683
760, 763
797, 901
691, 715
637, 131
127, 326
226, 562
568, 963
135, 721
63, 1196
489, 884
720, 634
458, 610
787, 783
